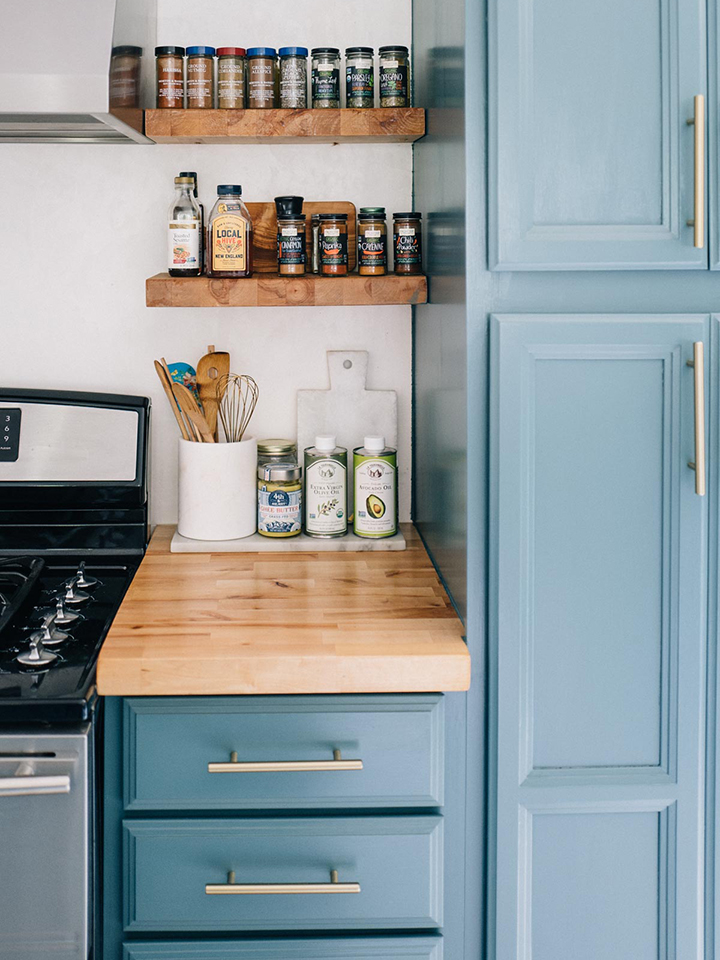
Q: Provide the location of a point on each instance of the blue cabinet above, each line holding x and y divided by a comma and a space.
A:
590, 156
597, 639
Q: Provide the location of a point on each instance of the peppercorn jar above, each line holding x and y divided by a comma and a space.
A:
170, 77
372, 242
125, 76
293, 78
262, 78
333, 244
394, 77
201, 77
231, 78
407, 242
359, 77
326, 77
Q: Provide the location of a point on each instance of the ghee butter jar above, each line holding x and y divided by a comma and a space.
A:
376, 495
326, 488
279, 499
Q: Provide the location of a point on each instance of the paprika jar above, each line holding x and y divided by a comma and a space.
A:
170, 75
326, 77
394, 77
372, 242
333, 244
201, 77
231, 78
293, 78
262, 78
229, 251
407, 245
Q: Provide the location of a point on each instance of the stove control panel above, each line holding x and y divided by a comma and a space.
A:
10, 418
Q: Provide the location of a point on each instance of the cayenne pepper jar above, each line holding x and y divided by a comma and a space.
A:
394, 77
325, 77
201, 77
407, 247
229, 251
359, 77
293, 78
262, 77
333, 244
170, 74
372, 242
231, 78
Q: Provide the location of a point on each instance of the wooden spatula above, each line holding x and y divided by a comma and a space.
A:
213, 365
188, 406
167, 387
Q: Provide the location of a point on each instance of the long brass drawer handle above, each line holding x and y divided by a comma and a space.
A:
284, 766
254, 888
698, 464
698, 221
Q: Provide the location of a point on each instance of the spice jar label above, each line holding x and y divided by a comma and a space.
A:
332, 232
393, 80
406, 231
289, 231
407, 247
333, 247
183, 244
373, 233
325, 82
228, 243
291, 246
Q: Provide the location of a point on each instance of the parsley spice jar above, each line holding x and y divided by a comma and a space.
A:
293, 78
394, 77
407, 245
170, 74
231, 78
359, 77
201, 77
262, 77
279, 499
333, 244
326, 77
372, 242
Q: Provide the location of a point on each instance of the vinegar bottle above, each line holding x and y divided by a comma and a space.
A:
184, 232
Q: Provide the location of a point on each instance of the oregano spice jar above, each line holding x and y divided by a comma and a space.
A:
372, 242
262, 78
359, 77
201, 77
293, 78
170, 77
333, 244
231, 78
394, 77
326, 77
407, 246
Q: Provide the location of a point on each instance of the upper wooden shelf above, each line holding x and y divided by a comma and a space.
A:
350, 125
271, 290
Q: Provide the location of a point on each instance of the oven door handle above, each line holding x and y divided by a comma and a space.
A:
25, 784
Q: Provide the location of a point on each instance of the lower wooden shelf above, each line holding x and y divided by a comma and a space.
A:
271, 290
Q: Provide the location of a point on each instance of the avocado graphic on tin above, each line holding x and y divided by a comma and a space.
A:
375, 506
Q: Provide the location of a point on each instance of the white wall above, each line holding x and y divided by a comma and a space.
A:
84, 225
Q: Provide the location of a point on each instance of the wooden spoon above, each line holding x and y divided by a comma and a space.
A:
210, 368
199, 421
187, 405
167, 387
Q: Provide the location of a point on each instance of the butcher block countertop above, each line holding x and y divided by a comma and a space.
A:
282, 623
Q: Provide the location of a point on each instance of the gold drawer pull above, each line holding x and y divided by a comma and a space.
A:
284, 766
247, 888
698, 220
698, 464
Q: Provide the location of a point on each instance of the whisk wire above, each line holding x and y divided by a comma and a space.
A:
237, 396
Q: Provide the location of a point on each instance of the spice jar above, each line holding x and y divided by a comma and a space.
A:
407, 245
394, 77
293, 77
315, 243
333, 244
291, 245
125, 76
201, 77
359, 77
372, 242
325, 77
229, 235
276, 451
262, 77
170, 74
231, 78
279, 499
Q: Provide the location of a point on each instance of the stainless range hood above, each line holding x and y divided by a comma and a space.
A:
55, 70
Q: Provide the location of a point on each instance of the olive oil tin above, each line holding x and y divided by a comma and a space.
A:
326, 489
376, 493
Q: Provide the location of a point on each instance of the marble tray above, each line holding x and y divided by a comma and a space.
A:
300, 544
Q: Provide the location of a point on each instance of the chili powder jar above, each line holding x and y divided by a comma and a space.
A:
333, 244
326, 77
407, 245
262, 77
372, 242
231, 78
201, 77
293, 78
394, 77
359, 77
230, 250
170, 74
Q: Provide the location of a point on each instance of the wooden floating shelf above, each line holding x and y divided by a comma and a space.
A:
271, 290
349, 125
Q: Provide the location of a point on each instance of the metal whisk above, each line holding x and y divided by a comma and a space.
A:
237, 397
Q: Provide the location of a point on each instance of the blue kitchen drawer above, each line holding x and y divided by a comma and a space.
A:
384, 948
397, 861
169, 742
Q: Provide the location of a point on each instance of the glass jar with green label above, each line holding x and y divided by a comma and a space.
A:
376, 494
359, 77
326, 488
325, 77
394, 79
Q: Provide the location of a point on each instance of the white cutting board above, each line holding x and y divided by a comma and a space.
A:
347, 409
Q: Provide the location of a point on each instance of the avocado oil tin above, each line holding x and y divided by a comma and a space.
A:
326, 489
376, 495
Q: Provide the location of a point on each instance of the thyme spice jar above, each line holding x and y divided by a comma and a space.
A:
262, 78
359, 77
231, 78
326, 77
201, 77
293, 78
394, 77
333, 244
170, 76
279, 499
372, 242
407, 242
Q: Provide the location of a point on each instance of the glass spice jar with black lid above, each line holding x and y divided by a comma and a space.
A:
372, 242
291, 241
170, 77
333, 244
359, 77
325, 77
407, 243
293, 78
394, 79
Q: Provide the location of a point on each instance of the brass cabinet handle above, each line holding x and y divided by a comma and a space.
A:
698, 221
284, 766
698, 464
254, 888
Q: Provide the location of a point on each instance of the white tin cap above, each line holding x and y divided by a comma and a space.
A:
375, 444
326, 442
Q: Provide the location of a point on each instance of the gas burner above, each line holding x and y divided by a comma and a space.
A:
36, 656
59, 614
82, 581
18, 576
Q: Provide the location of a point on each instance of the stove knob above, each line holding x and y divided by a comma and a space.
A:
49, 635
37, 655
74, 595
82, 581
59, 615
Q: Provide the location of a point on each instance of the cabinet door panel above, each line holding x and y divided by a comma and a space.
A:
591, 160
597, 639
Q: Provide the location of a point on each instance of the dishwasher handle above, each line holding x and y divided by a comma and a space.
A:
26, 784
